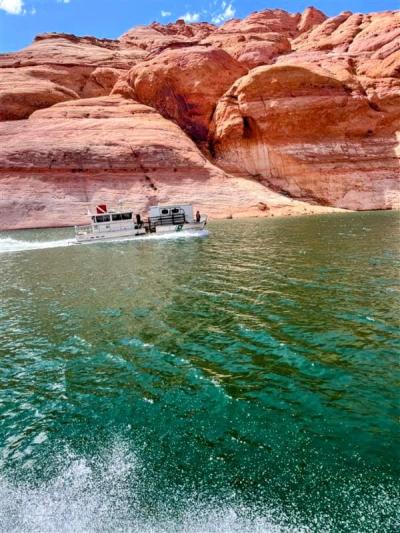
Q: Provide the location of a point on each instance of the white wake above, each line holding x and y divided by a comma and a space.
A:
104, 493
10, 245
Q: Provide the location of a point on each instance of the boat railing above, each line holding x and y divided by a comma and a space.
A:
81, 230
106, 227
167, 220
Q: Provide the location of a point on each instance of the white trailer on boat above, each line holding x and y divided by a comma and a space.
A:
171, 218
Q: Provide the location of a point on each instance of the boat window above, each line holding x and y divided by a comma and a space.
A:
103, 218
126, 216
175, 210
117, 216
165, 211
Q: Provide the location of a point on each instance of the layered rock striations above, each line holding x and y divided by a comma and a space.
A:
111, 148
59, 67
275, 113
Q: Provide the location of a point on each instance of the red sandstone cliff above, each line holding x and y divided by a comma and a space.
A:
276, 113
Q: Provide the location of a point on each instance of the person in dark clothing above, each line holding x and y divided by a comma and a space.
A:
198, 216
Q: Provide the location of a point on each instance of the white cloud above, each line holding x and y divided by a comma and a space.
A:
218, 11
191, 17
228, 12
14, 7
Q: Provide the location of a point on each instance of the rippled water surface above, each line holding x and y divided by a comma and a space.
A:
248, 381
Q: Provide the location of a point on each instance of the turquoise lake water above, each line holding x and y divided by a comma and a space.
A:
244, 382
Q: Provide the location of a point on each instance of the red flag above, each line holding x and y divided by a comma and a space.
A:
101, 208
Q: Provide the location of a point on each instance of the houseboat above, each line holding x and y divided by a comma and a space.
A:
122, 223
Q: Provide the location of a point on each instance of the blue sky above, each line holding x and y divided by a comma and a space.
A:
21, 20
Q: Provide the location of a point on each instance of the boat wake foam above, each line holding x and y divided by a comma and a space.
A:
106, 492
10, 245
171, 236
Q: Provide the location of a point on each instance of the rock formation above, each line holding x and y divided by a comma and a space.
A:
277, 113
186, 86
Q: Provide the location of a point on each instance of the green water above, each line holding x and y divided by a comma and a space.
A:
248, 381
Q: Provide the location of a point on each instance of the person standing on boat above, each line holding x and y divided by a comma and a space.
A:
198, 216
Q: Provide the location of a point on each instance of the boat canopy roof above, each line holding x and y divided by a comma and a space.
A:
170, 206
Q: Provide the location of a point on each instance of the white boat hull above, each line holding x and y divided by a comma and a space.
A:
109, 235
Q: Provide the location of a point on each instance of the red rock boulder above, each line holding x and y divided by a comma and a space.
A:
307, 133
185, 86
58, 67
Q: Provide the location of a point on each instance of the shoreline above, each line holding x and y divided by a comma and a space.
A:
277, 213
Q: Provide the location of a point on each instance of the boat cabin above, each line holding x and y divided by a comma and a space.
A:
119, 216
170, 214
112, 217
